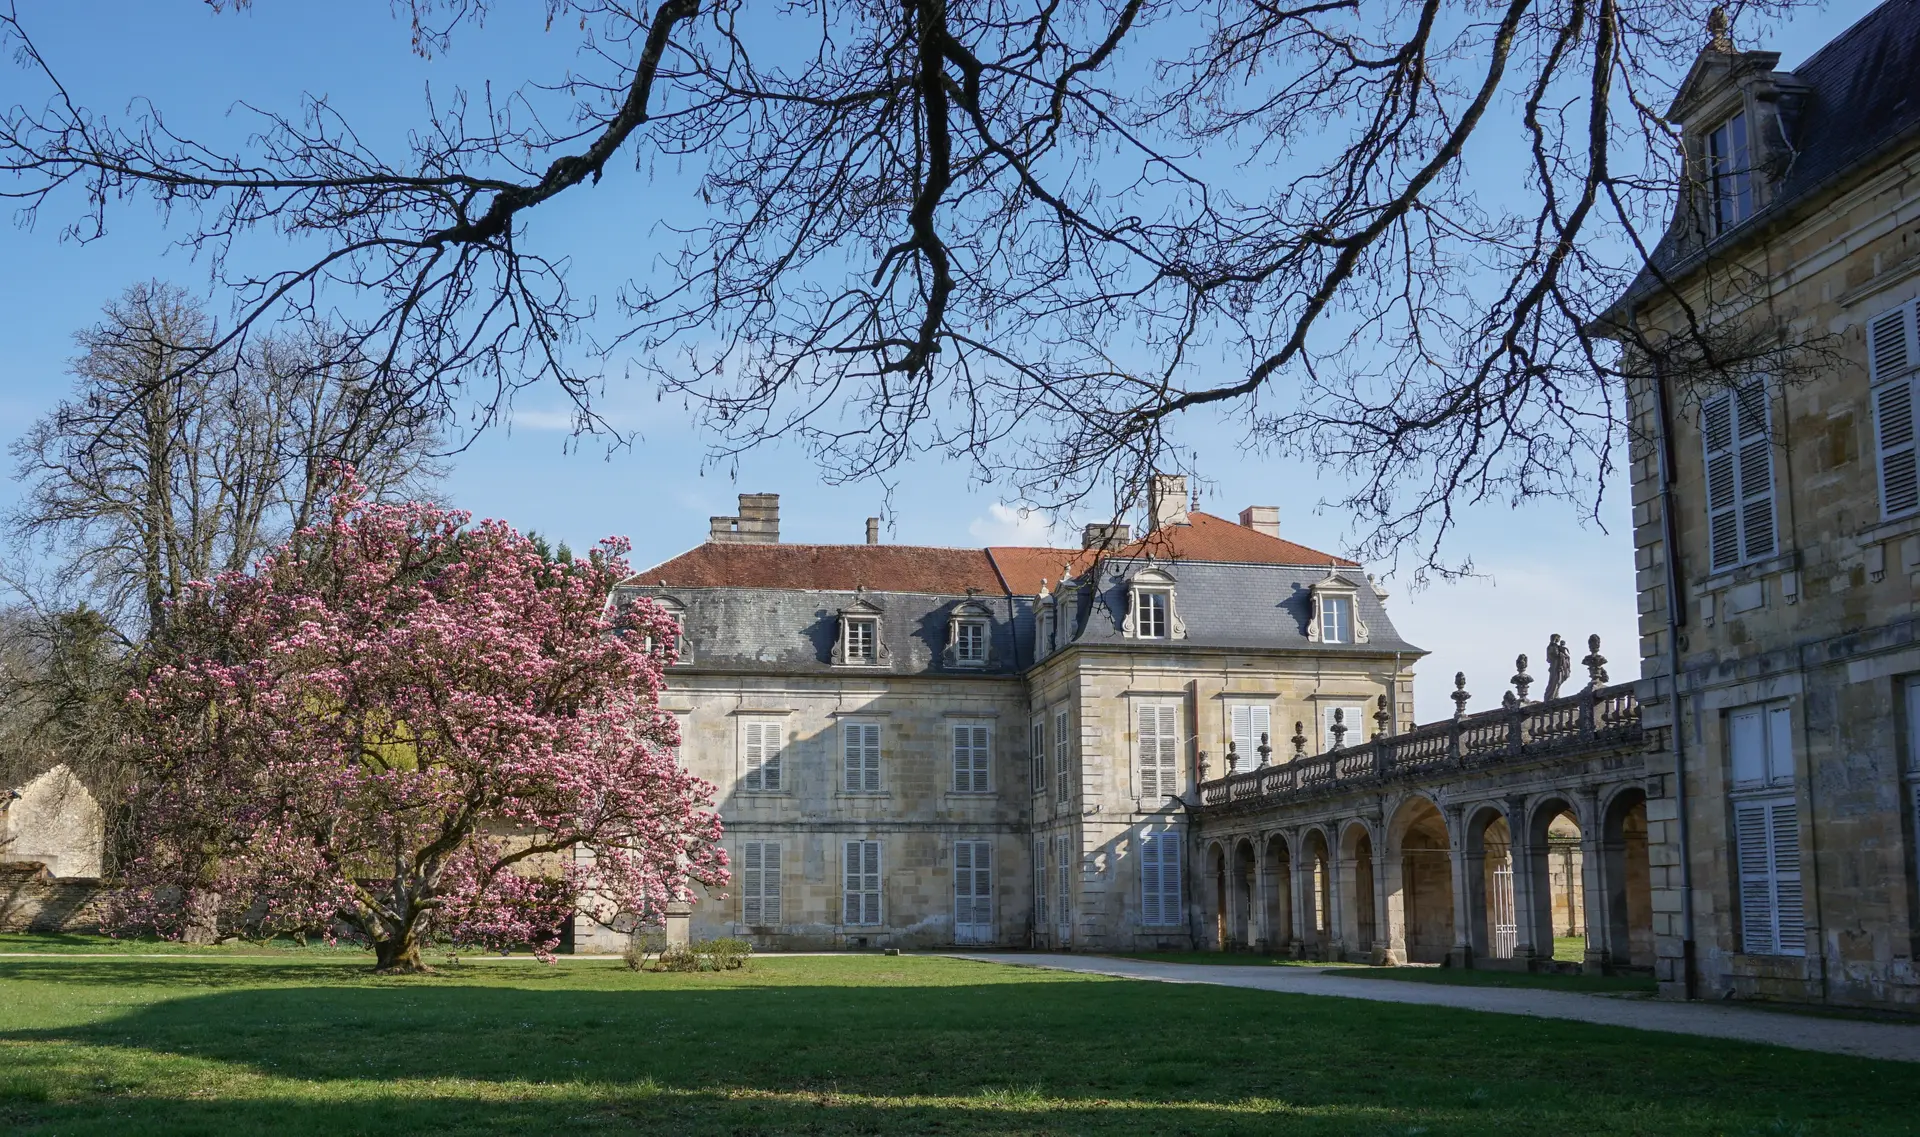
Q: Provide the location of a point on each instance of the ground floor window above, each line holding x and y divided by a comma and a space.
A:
1160, 895
1772, 905
1039, 883
863, 882
1063, 857
760, 882
973, 891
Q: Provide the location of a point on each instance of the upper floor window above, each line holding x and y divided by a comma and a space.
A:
1159, 745
859, 643
1739, 464
1335, 618
1249, 725
1893, 368
860, 757
861, 637
972, 757
1151, 612
1037, 757
761, 741
1729, 173
1760, 745
968, 641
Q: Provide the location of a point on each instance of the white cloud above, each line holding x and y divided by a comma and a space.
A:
528, 419
1010, 525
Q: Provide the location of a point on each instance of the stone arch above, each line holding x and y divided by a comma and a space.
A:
1276, 894
1487, 844
1626, 881
1316, 899
1552, 892
1242, 920
1419, 882
1357, 874
1216, 895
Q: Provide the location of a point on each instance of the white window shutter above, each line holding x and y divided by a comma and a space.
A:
1790, 911
1779, 743
755, 744
871, 868
770, 882
1755, 855
1747, 746
1751, 413
1262, 726
1150, 879
1894, 408
1039, 881
1723, 496
1241, 731
1063, 754
851, 867
1172, 903
752, 875
1891, 350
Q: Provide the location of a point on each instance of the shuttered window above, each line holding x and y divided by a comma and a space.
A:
1893, 355
1063, 898
1760, 745
862, 883
1729, 173
973, 891
760, 883
1037, 752
1246, 723
1160, 896
860, 757
972, 753
1159, 750
1062, 755
1772, 906
1039, 883
761, 741
1739, 464
1349, 717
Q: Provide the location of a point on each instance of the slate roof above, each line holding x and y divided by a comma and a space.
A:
1204, 538
828, 568
1862, 101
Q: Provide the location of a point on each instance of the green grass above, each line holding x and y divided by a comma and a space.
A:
857, 1044
1570, 949
69, 943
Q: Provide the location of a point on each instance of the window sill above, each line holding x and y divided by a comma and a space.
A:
1752, 570
973, 793
1891, 530
872, 795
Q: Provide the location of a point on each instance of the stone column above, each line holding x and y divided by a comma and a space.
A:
1337, 906
1258, 933
1462, 953
1297, 898
1593, 884
1532, 894
1382, 935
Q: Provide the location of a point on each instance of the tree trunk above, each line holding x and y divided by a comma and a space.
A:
400, 953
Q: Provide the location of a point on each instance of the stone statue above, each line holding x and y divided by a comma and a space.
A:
1559, 666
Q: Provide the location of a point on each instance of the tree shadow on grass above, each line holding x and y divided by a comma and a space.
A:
544, 1049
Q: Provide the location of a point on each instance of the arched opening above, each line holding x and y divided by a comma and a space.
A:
1629, 883
1277, 896
1356, 868
1217, 908
1553, 880
1494, 927
1420, 884
1240, 922
1316, 902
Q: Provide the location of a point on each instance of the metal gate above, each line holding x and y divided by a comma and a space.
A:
1505, 927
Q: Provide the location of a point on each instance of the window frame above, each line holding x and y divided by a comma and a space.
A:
1063, 752
1356, 733
1161, 853
1158, 585
1734, 464
857, 627
1893, 375
1037, 755
1772, 900
1063, 899
1336, 619
979, 773
753, 778
1165, 763
1040, 842
1771, 738
761, 895
871, 776
1725, 181
853, 867
1259, 716
1150, 613
970, 628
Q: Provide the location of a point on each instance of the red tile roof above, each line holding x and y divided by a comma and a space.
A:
1002, 569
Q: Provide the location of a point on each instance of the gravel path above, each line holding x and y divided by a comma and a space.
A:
1897, 1041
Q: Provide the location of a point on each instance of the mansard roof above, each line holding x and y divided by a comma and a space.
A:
1205, 538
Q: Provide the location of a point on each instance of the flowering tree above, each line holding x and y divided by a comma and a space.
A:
411, 727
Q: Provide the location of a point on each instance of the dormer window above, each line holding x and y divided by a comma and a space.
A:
862, 634
968, 639
859, 643
1152, 613
1335, 618
1729, 173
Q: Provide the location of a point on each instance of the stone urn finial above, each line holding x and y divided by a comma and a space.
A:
1521, 680
1266, 750
1719, 31
1339, 727
1459, 695
1299, 739
1596, 663
1382, 718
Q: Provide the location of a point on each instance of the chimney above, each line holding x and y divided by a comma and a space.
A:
1105, 535
758, 523
1167, 501
1262, 519
873, 530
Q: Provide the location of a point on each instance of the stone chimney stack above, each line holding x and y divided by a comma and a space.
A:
1262, 519
1105, 535
873, 530
758, 523
1167, 501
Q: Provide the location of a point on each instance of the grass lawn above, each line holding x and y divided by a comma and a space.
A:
857, 1044
75, 944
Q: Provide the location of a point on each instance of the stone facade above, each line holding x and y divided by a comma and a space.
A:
1017, 731
1780, 510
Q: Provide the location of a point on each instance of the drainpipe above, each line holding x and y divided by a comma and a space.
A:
1690, 972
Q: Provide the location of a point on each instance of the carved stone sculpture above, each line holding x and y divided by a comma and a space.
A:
1299, 739
1521, 680
1596, 663
1459, 695
1559, 666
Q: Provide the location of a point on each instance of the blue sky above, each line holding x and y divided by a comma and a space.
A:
1542, 568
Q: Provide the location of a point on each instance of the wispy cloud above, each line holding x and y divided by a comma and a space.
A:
527, 418
1010, 525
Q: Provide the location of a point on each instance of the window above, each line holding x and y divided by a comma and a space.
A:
860, 753
862, 635
1039, 883
1336, 620
863, 883
1159, 749
1739, 464
1760, 744
1246, 723
1913, 758
970, 641
1729, 173
1063, 856
972, 753
973, 892
760, 883
1152, 617
1062, 756
1893, 354
1037, 755
1772, 907
760, 742
1160, 895
1347, 716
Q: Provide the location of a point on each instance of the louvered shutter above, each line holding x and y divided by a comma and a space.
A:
763, 740
971, 747
1756, 471
752, 874
1150, 912
1262, 726
1062, 756
870, 867
862, 747
963, 883
1349, 718
1159, 743
1892, 353
1240, 729
1172, 903
1789, 903
1038, 755
1891, 350
1755, 855
1039, 881
1723, 494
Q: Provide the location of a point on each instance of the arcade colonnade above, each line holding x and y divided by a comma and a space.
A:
1428, 876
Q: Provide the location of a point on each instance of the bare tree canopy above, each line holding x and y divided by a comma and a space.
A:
175, 460
1032, 232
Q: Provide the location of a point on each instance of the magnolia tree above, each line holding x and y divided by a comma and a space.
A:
411, 727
